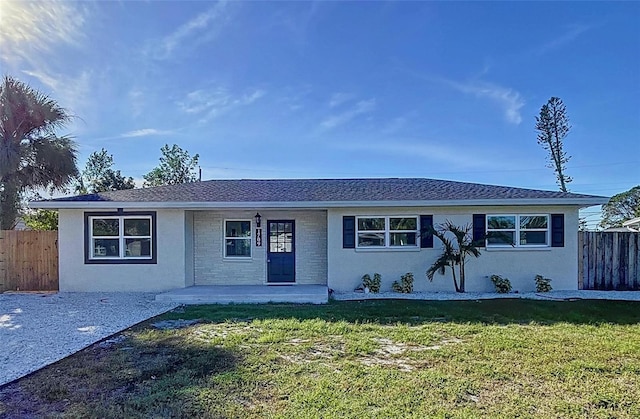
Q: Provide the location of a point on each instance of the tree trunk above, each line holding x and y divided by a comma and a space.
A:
455, 282
8, 206
462, 276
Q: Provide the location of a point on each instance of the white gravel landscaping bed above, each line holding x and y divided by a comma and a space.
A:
39, 329
553, 295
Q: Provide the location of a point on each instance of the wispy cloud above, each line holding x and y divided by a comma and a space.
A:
137, 133
30, 29
423, 150
202, 27
72, 92
213, 103
398, 124
297, 20
360, 108
31, 35
509, 100
136, 101
145, 132
571, 33
293, 98
339, 98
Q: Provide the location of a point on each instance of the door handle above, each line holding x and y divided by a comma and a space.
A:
268, 260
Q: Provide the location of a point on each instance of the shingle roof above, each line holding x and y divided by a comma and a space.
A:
325, 190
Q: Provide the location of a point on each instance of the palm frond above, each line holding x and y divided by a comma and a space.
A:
439, 265
26, 113
31, 154
48, 161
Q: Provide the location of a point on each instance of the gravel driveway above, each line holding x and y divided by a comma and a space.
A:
39, 329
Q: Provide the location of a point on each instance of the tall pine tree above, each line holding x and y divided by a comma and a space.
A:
553, 127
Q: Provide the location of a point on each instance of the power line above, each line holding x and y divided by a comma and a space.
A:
431, 174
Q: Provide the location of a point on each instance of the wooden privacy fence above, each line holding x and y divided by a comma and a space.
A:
28, 260
609, 260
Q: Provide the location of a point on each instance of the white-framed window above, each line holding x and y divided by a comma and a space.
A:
237, 239
120, 237
518, 230
387, 232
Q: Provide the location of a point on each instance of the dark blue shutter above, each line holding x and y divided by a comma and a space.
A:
479, 229
426, 236
557, 230
348, 232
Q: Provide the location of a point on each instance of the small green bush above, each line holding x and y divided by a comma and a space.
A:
503, 285
543, 284
372, 284
405, 286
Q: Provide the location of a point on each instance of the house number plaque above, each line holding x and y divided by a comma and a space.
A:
258, 237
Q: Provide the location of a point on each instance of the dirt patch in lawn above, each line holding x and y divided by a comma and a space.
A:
388, 353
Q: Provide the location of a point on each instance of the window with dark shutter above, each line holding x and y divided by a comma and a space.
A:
557, 230
426, 236
479, 229
349, 232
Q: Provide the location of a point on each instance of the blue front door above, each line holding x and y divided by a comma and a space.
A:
281, 251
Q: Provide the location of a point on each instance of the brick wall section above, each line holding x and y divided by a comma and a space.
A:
211, 268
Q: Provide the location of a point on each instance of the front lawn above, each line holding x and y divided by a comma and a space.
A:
498, 358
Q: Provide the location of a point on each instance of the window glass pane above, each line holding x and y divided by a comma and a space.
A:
137, 227
137, 247
500, 237
533, 221
403, 224
106, 248
501, 222
533, 237
106, 227
370, 223
281, 242
238, 247
273, 227
403, 239
370, 239
238, 229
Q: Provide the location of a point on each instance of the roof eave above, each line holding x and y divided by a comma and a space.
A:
631, 222
579, 202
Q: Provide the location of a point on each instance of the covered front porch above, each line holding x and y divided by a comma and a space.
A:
253, 294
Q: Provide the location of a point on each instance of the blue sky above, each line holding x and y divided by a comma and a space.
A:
341, 89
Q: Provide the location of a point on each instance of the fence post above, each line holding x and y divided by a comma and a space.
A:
3, 264
580, 258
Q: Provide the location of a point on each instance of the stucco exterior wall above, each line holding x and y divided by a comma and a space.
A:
212, 268
346, 266
168, 273
189, 278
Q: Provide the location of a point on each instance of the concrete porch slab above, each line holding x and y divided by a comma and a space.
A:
253, 294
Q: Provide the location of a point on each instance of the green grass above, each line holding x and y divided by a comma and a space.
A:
498, 358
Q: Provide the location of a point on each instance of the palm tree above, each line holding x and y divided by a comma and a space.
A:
448, 258
453, 253
31, 154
